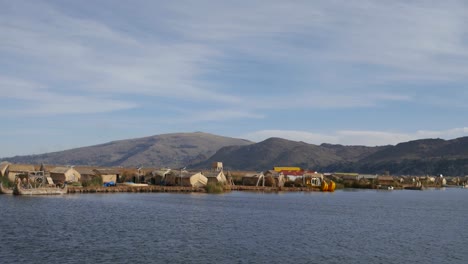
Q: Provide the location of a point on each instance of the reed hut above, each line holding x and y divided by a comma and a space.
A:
158, 177
87, 173
274, 178
108, 174
15, 169
250, 179
386, 180
216, 177
348, 179
65, 174
193, 179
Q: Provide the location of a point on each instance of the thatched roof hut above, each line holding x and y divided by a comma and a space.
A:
216, 177
250, 179
385, 180
108, 174
65, 174
158, 177
87, 173
193, 179
15, 169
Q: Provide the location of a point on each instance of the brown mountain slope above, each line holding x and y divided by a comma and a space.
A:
418, 157
281, 152
171, 150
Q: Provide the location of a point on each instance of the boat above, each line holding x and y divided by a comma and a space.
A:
36, 183
21, 190
4, 190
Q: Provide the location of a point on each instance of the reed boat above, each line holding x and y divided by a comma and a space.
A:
4, 190
20, 190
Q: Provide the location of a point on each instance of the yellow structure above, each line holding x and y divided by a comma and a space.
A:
278, 169
328, 187
331, 186
324, 187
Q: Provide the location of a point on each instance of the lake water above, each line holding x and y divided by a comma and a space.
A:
363, 226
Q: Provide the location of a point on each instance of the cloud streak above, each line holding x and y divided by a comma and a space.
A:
190, 65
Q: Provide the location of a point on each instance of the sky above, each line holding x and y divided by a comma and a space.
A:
80, 73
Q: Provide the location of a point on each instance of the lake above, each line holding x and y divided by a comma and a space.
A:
350, 226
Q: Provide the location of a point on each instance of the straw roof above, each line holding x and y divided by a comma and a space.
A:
20, 167
103, 171
60, 170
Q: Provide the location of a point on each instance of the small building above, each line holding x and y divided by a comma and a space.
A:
87, 173
216, 177
293, 175
193, 179
15, 169
348, 179
108, 174
276, 178
158, 177
250, 179
217, 166
171, 178
65, 174
386, 180
313, 178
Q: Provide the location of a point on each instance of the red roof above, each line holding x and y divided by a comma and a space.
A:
295, 173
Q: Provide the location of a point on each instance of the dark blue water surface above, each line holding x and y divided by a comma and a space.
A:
238, 227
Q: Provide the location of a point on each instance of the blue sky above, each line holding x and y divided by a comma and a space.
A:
79, 73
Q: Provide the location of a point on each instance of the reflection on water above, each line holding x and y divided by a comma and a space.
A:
361, 226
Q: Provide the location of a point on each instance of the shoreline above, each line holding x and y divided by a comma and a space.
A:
182, 189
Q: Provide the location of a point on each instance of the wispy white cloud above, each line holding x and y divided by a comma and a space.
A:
94, 57
214, 62
356, 137
69, 55
37, 101
216, 115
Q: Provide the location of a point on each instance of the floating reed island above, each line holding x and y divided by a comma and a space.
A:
85, 179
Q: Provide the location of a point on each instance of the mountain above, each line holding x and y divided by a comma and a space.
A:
199, 150
281, 152
167, 150
418, 157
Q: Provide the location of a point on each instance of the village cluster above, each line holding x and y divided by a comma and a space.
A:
278, 177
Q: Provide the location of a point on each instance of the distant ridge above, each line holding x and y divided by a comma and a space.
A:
281, 152
198, 150
165, 150
418, 157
